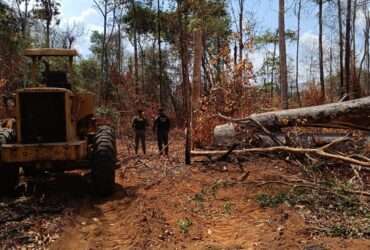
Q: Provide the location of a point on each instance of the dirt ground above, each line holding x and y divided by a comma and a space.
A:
160, 203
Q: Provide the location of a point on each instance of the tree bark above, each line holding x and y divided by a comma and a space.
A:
136, 58
273, 67
297, 52
241, 31
321, 52
197, 66
356, 88
342, 114
366, 43
331, 74
341, 67
185, 79
160, 68
347, 58
283, 63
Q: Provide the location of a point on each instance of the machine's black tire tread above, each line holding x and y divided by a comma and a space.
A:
9, 176
103, 161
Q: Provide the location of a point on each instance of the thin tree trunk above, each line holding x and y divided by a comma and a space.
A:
48, 33
142, 57
160, 68
218, 60
347, 62
321, 52
119, 47
235, 53
341, 66
185, 79
197, 68
366, 42
241, 17
297, 54
25, 20
103, 54
356, 88
136, 59
283, 63
331, 73
273, 67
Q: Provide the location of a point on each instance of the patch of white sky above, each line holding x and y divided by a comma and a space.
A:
264, 12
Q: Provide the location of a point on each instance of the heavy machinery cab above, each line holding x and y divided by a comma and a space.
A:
51, 78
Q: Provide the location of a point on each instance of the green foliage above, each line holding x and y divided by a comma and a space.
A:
46, 9
87, 74
265, 200
184, 225
96, 40
215, 187
269, 37
227, 207
141, 17
9, 29
108, 113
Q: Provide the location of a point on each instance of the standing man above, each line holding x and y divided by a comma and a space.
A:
162, 126
139, 124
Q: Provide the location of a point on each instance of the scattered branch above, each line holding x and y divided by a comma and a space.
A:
302, 151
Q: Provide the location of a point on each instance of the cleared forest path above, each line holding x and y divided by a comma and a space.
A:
160, 203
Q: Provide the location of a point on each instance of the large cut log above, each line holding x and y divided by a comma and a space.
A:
348, 114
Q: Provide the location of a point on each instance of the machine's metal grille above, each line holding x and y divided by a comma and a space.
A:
43, 117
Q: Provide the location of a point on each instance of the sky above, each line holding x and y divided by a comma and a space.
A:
265, 12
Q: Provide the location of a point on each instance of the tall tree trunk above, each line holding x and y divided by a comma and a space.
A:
356, 88
25, 20
321, 52
331, 73
282, 50
101, 95
347, 62
160, 68
197, 68
297, 52
47, 42
136, 58
366, 43
105, 53
218, 60
273, 67
241, 33
235, 53
119, 47
142, 57
341, 53
185, 79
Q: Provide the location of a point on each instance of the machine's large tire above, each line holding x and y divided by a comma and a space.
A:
103, 161
9, 175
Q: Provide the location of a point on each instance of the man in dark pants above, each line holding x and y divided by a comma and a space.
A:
139, 124
162, 126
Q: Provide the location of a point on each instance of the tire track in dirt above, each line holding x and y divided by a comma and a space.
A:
149, 202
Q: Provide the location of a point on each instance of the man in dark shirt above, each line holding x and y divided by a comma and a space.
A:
162, 127
139, 124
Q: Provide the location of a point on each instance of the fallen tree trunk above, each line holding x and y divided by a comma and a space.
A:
320, 152
348, 114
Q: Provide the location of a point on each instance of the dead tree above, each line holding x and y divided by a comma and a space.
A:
349, 114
